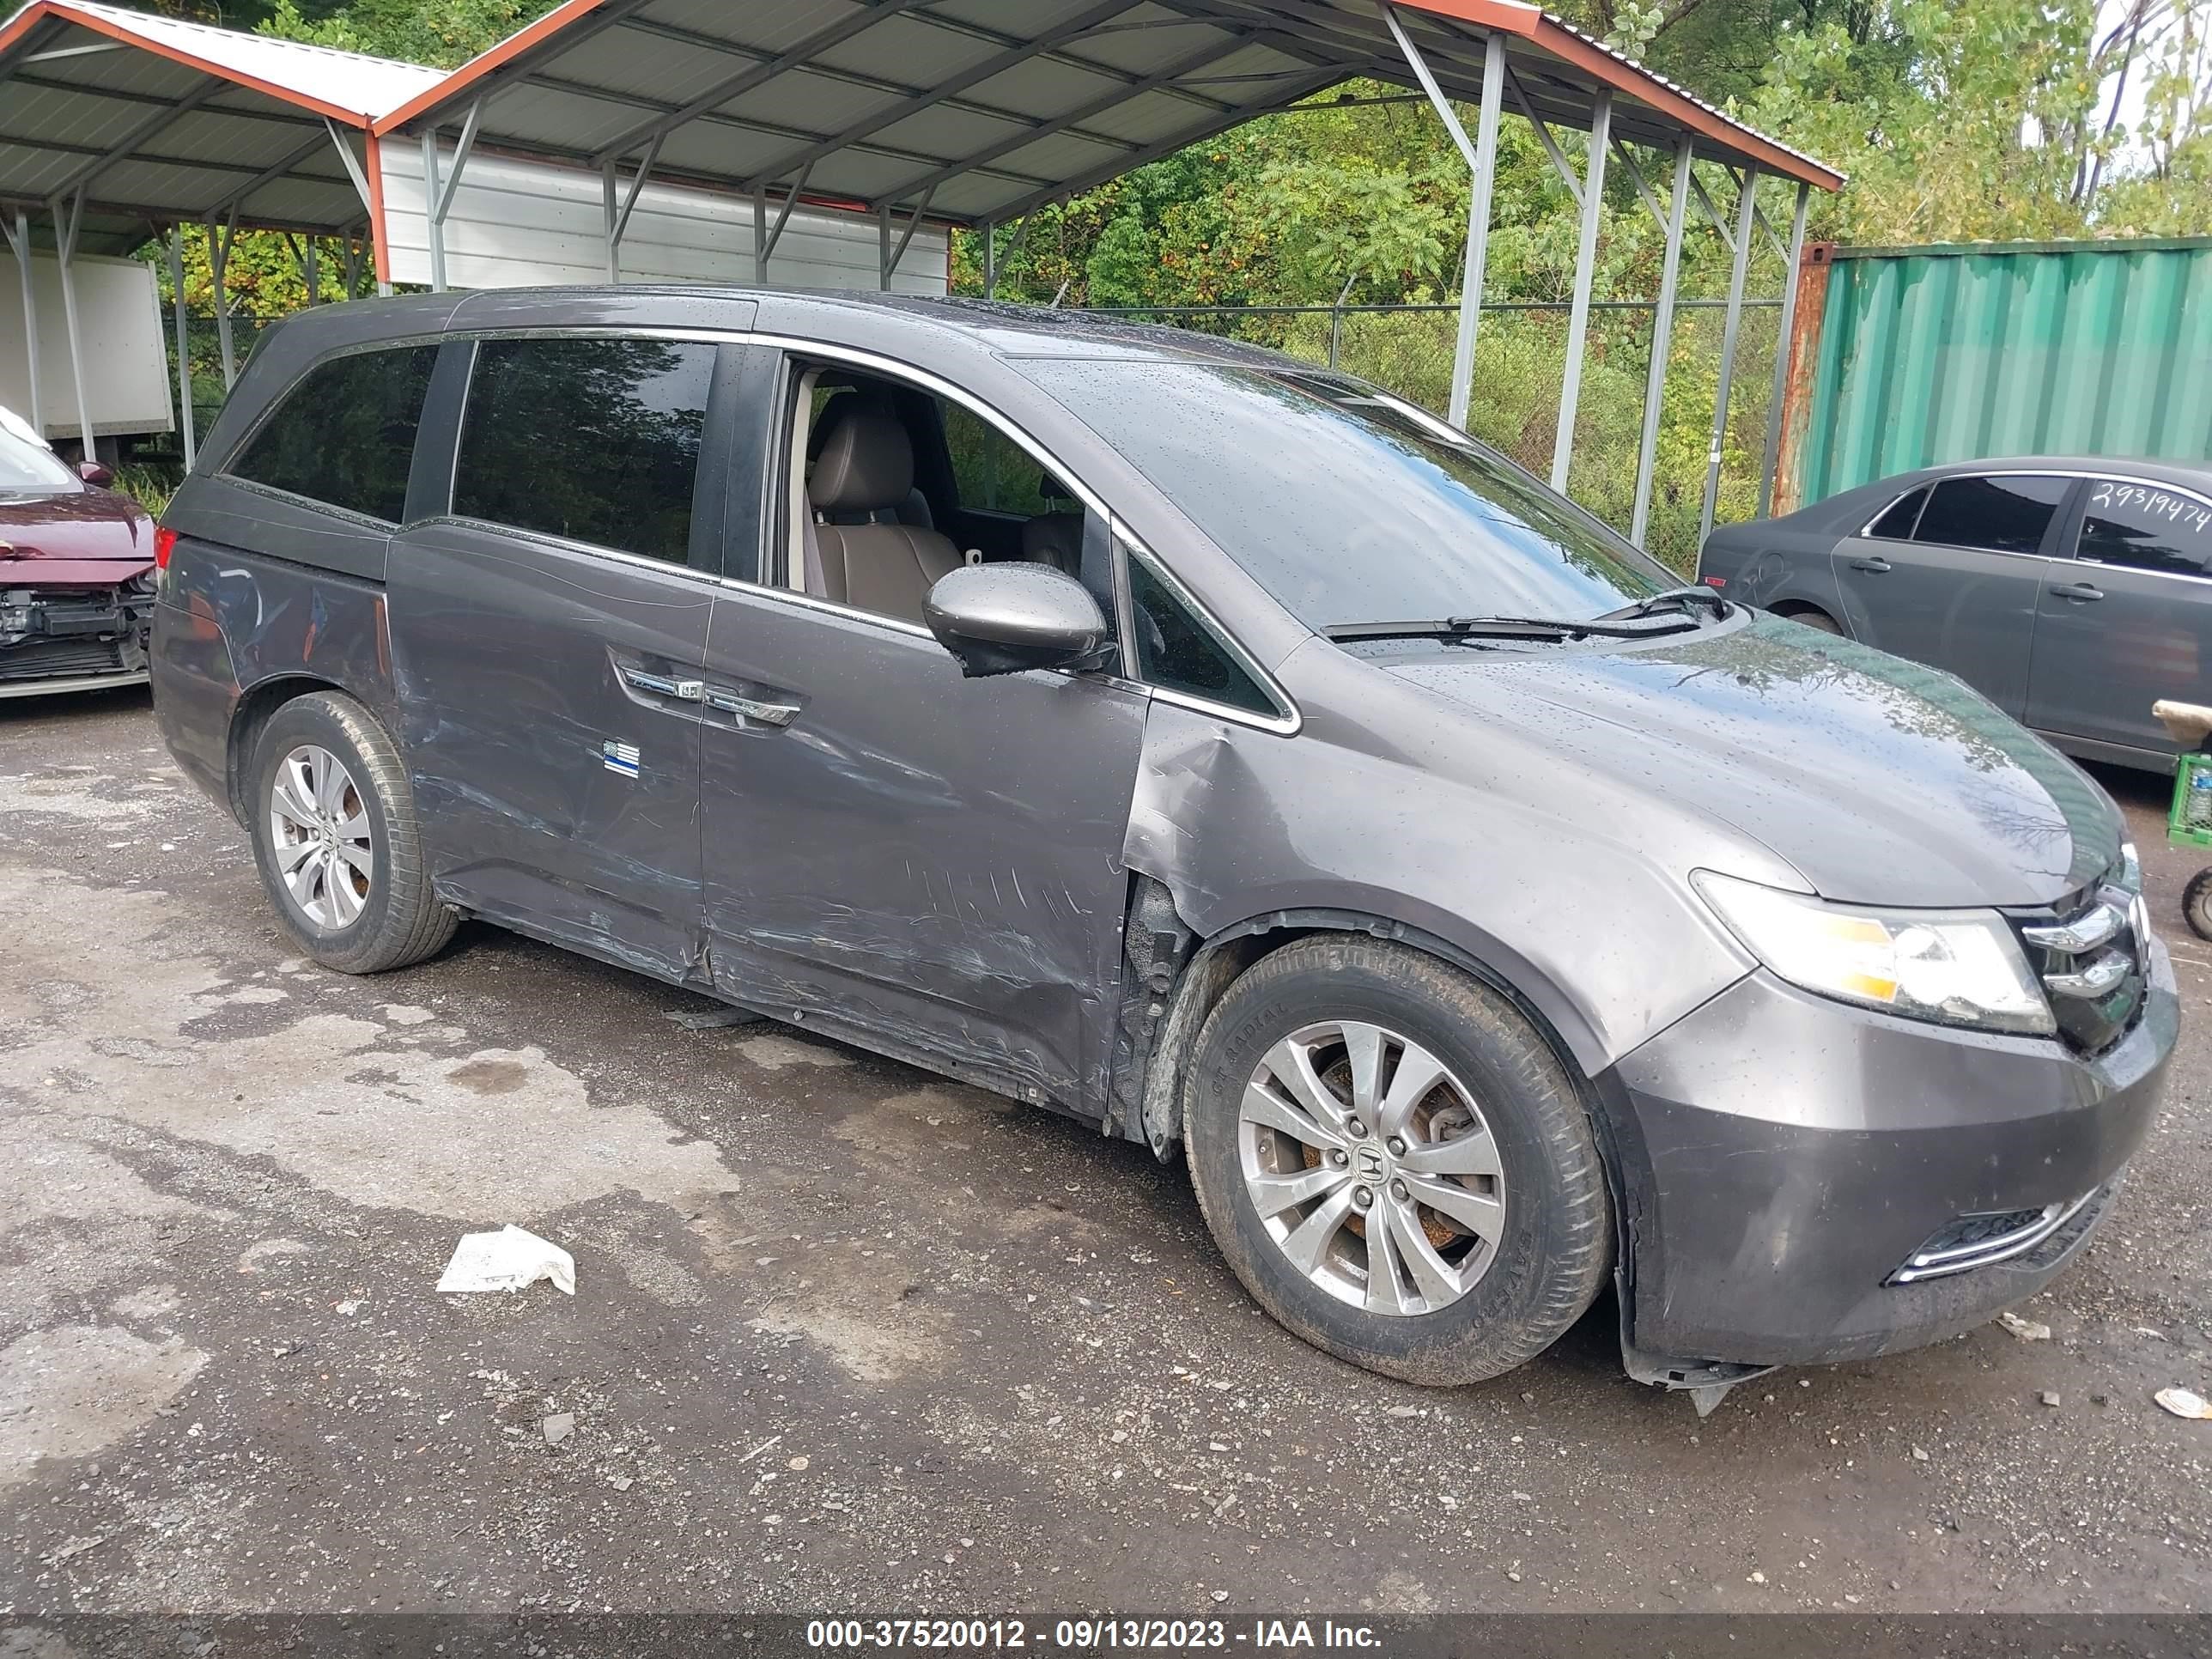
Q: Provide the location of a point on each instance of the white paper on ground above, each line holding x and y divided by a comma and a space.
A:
2184, 1403
508, 1259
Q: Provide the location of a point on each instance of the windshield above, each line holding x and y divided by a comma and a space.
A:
1348, 505
25, 465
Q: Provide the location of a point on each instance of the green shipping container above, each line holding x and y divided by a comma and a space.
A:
1926, 354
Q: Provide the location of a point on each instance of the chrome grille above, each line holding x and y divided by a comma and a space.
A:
2089, 954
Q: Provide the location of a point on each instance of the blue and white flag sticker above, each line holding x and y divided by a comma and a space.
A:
621, 758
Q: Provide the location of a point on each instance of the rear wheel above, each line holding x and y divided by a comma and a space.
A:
1394, 1162
335, 836
1820, 620
2196, 904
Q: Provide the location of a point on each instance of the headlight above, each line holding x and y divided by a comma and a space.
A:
1955, 967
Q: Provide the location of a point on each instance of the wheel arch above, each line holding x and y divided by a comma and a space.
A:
256, 708
1176, 974
1791, 610
1570, 1038
1622, 1158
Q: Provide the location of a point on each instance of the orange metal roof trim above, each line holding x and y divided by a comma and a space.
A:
484, 62
1570, 46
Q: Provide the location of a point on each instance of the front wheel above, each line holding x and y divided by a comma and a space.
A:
2196, 904
1395, 1162
335, 835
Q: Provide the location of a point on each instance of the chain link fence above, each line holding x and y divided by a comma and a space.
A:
1520, 363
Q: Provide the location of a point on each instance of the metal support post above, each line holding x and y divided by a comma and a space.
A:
990, 261
614, 241
1783, 342
19, 240
185, 415
1562, 442
438, 197
1336, 318
1662, 343
620, 209
1747, 198
219, 268
430, 211
884, 247
69, 220
894, 255
1021, 236
1482, 156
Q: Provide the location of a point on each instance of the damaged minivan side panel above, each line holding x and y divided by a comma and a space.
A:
1226, 817
926, 863
240, 635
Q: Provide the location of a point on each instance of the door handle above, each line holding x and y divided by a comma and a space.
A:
1872, 567
666, 685
751, 709
2079, 593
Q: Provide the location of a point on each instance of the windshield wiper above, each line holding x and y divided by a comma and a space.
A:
1679, 600
1507, 628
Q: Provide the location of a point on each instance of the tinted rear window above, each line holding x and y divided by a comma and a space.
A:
1897, 524
2004, 514
345, 434
591, 440
2147, 528
1347, 505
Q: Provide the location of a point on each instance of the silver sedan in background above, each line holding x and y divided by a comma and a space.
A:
2073, 593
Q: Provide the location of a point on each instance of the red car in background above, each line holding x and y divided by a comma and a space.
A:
76, 575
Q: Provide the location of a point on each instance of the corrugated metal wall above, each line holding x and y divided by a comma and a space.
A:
1940, 354
515, 223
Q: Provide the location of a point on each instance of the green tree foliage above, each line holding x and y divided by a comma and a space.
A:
445, 33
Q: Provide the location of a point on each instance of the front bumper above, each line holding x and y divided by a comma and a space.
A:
56, 639
1784, 1157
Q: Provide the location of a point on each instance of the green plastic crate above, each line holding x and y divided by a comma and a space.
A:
2192, 824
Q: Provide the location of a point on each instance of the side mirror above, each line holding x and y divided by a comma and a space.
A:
95, 474
1003, 618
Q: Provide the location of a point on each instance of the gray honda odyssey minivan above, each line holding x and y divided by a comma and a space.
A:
1217, 750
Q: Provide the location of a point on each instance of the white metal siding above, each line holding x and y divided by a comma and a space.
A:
126, 356
519, 224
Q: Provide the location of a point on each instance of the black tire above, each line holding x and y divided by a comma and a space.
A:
2196, 904
1556, 1246
1819, 621
401, 920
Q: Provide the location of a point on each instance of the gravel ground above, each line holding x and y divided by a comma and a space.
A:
847, 1337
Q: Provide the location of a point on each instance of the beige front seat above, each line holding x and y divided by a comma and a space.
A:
863, 475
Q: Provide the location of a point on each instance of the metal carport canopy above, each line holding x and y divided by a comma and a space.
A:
985, 109
159, 122
115, 124
979, 112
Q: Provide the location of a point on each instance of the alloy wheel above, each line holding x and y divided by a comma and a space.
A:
320, 834
1372, 1167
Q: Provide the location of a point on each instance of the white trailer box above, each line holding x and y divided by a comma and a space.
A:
126, 356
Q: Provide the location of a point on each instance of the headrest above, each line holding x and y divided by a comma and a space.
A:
866, 462
1055, 539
